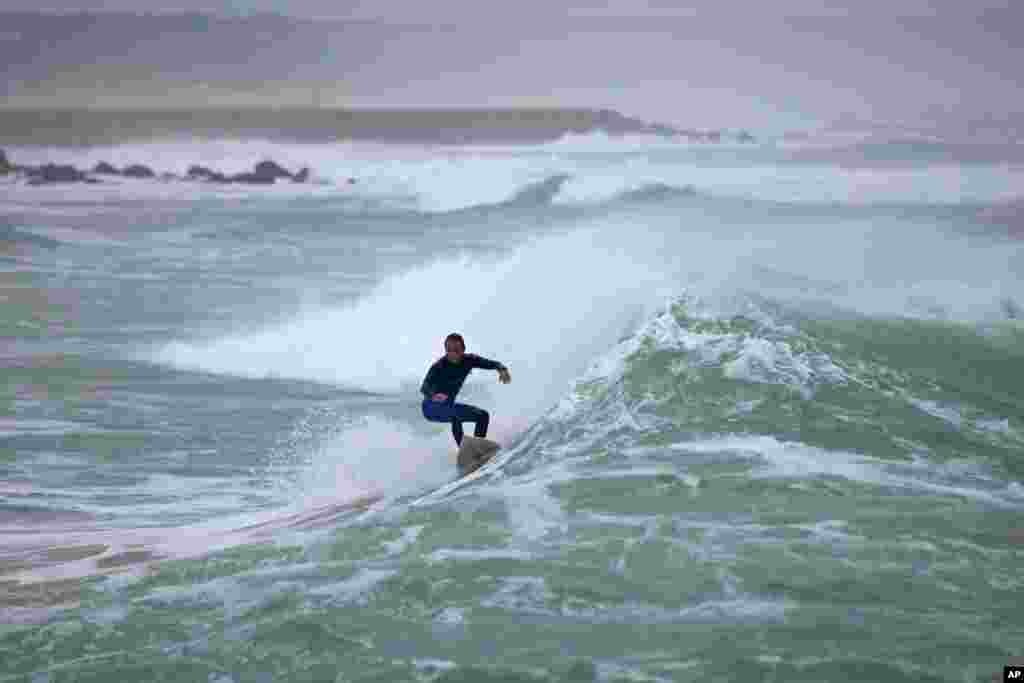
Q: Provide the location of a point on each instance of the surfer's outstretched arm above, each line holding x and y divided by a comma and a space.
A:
488, 364
484, 363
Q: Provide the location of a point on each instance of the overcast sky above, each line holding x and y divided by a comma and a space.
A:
705, 63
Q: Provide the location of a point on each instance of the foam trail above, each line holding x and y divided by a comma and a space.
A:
372, 458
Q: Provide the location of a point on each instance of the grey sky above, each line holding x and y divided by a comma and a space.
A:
721, 63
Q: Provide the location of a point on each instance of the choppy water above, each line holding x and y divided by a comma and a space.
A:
765, 420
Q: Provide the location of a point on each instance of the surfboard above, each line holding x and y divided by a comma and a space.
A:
474, 452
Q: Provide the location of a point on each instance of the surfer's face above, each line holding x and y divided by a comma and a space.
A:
454, 351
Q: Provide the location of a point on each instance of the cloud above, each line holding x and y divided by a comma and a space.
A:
721, 63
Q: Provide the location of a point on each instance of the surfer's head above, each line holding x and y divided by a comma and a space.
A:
454, 347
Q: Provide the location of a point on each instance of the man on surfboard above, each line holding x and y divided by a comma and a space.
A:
443, 382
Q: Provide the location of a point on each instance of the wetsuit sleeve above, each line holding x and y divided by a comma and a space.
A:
486, 363
428, 387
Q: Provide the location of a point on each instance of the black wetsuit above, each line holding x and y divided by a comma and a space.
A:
445, 377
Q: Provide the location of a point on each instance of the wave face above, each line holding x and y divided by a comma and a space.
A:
764, 415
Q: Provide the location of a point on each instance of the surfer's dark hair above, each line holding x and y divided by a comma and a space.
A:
454, 336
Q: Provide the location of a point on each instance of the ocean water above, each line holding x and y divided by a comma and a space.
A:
766, 418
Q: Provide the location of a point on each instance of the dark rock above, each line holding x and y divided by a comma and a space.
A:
52, 173
139, 171
351, 181
744, 136
195, 172
270, 169
264, 173
205, 174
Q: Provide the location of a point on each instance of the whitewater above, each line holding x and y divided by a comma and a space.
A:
766, 418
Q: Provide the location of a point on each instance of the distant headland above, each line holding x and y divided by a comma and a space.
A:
92, 127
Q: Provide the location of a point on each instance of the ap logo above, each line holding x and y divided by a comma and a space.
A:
1014, 674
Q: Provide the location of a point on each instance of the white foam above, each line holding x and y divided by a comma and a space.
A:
520, 593
532, 512
15, 426
365, 459
600, 141
944, 411
774, 362
744, 610
829, 530
451, 616
995, 425
432, 666
531, 595
106, 616
445, 554
354, 587
797, 460
409, 536
754, 359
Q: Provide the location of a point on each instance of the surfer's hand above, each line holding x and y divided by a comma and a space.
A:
503, 376
440, 397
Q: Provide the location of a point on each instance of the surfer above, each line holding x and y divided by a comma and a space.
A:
443, 382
